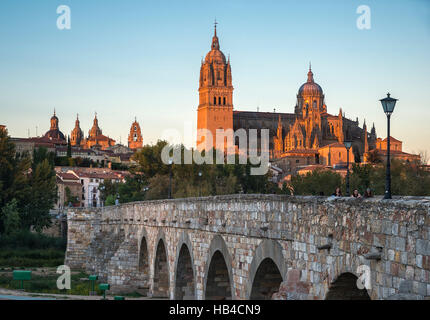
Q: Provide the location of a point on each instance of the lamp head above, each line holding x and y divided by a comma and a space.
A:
347, 144
388, 104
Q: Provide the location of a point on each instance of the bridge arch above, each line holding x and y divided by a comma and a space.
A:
184, 273
161, 281
218, 280
344, 287
143, 266
268, 269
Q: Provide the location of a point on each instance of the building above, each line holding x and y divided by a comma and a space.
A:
96, 138
90, 180
215, 110
69, 190
77, 134
135, 140
54, 134
308, 136
396, 152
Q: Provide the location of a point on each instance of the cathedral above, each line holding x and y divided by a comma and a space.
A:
95, 137
308, 136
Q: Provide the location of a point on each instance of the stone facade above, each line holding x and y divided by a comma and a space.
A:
257, 246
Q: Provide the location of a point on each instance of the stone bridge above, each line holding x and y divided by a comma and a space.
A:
257, 247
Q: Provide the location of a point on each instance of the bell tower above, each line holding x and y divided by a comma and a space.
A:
215, 110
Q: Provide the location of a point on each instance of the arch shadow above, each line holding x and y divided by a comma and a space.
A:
267, 249
218, 248
184, 284
345, 288
161, 279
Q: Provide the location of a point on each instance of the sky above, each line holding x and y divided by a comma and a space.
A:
132, 58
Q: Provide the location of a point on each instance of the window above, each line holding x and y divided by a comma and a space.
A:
297, 161
224, 100
135, 128
219, 100
214, 100
91, 180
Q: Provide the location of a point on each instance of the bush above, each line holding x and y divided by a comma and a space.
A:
31, 240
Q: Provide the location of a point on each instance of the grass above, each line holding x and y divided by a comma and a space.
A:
24, 258
48, 284
27, 249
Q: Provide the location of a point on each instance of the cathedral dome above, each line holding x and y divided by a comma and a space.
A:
55, 135
54, 132
310, 88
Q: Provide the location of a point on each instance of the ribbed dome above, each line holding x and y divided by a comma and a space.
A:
55, 134
310, 88
215, 56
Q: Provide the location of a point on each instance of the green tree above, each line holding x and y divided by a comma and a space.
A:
69, 147
315, 183
42, 198
10, 217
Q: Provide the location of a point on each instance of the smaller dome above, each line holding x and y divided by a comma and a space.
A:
310, 88
55, 135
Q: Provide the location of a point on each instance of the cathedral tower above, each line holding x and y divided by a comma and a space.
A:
95, 130
135, 140
215, 110
77, 135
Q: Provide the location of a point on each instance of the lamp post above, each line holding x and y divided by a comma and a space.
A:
348, 145
388, 105
170, 180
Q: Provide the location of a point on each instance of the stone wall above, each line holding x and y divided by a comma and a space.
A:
310, 241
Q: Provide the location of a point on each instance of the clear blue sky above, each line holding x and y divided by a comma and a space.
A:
142, 58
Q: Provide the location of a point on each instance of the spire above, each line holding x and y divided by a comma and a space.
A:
215, 42
54, 112
310, 74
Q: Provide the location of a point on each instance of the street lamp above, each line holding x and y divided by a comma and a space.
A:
348, 145
169, 196
388, 104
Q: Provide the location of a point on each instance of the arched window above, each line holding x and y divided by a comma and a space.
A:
224, 100
215, 100
219, 100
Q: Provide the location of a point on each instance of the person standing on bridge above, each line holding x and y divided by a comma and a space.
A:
338, 192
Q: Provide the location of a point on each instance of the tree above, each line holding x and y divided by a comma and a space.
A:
69, 147
27, 187
10, 217
42, 198
317, 182
149, 160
